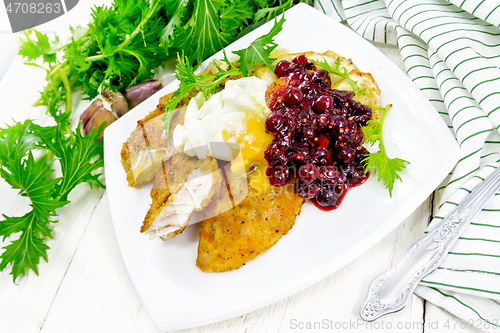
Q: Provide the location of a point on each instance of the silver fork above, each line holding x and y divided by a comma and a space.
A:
390, 291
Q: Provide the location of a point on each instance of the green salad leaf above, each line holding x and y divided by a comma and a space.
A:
201, 36
33, 49
124, 44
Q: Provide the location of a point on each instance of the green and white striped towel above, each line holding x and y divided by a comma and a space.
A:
451, 51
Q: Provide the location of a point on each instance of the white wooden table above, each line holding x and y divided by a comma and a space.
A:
84, 287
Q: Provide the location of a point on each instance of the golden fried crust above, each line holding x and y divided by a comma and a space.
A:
158, 111
236, 236
149, 135
171, 177
168, 180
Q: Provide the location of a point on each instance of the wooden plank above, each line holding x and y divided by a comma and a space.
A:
96, 294
26, 303
18, 91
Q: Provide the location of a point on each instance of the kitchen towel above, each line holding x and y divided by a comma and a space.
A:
451, 51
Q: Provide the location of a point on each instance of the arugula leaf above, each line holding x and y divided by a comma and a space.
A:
337, 71
176, 21
386, 168
124, 45
24, 253
15, 141
79, 160
33, 179
259, 51
119, 48
372, 132
36, 183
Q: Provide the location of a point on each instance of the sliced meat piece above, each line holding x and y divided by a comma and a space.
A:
229, 240
184, 184
142, 154
233, 191
147, 147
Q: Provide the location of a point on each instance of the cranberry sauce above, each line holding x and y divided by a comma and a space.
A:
318, 140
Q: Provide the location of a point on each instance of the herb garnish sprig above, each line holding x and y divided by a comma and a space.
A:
342, 73
80, 161
386, 168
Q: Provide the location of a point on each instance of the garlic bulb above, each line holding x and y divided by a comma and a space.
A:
105, 108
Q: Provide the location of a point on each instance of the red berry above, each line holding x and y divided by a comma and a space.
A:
323, 103
307, 191
274, 122
293, 96
277, 176
283, 68
308, 173
300, 60
347, 154
330, 175
328, 196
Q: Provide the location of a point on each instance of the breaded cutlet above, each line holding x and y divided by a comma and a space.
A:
176, 194
229, 240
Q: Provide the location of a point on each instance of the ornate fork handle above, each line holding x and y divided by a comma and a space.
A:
390, 291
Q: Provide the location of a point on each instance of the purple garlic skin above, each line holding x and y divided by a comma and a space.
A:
89, 112
100, 117
105, 108
138, 93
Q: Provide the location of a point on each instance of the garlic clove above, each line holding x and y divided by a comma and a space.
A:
120, 105
90, 110
106, 107
138, 93
101, 116
109, 98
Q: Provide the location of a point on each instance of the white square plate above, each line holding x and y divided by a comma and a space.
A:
178, 295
